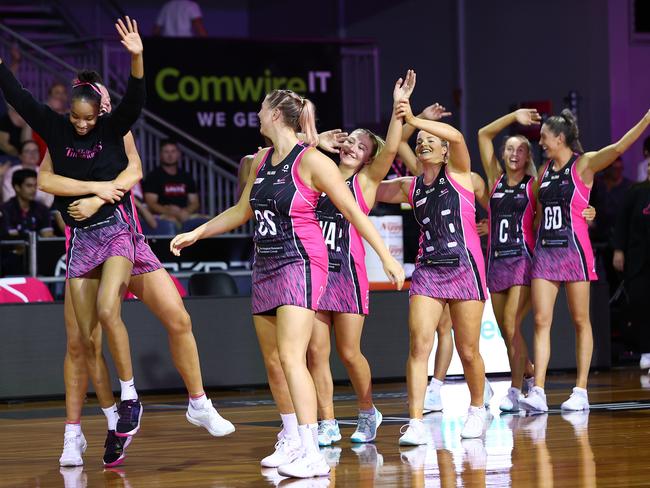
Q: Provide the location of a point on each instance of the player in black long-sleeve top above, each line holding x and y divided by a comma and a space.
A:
100, 251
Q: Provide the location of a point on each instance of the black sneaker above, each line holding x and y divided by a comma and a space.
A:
130, 412
115, 449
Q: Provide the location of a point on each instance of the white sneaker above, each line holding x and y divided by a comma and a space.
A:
328, 432
577, 401
368, 455
644, 363
306, 466
475, 453
74, 477
73, 447
535, 426
488, 393
414, 457
527, 385
535, 401
432, 399
332, 455
645, 380
474, 424
510, 402
286, 451
367, 424
415, 434
209, 418
579, 420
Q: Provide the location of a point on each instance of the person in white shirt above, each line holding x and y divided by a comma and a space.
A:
180, 18
29, 159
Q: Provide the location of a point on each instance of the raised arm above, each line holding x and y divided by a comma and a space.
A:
490, 161
37, 115
378, 169
128, 110
326, 177
598, 160
226, 221
480, 190
459, 160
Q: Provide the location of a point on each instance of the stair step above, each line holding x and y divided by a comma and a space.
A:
33, 22
6, 10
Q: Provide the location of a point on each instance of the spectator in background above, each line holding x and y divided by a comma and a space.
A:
632, 257
13, 128
607, 197
180, 18
29, 159
642, 167
57, 100
22, 213
169, 191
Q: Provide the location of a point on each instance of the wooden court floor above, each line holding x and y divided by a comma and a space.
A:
609, 446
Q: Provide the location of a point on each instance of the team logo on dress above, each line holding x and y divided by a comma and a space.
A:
499, 185
442, 181
270, 173
285, 168
258, 181
522, 186
417, 192
566, 171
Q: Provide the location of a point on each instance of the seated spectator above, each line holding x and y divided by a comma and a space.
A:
29, 159
19, 216
22, 213
180, 18
170, 192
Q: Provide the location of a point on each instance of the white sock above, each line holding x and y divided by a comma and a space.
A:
309, 442
76, 428
480, 409
128, 390
583, 391
290, 425
199, 402
435, 383
111, 416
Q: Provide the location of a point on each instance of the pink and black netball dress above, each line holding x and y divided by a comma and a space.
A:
563, 249
347, 282
511, 240
450, 263
290, 266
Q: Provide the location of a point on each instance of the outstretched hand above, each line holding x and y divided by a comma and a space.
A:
403, 110
528, 116
182, 241
128, 30
435, 112
331, 140
404, 88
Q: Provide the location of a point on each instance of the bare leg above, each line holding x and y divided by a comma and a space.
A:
578, 298
424, 314
265, 327
158, 292
466, 316
294, 326
318, 361
348, 328
115, 276
544, 294
445, 347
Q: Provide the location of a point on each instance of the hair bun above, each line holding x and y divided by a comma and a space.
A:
89, 76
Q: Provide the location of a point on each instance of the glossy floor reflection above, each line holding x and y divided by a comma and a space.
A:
607, 446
